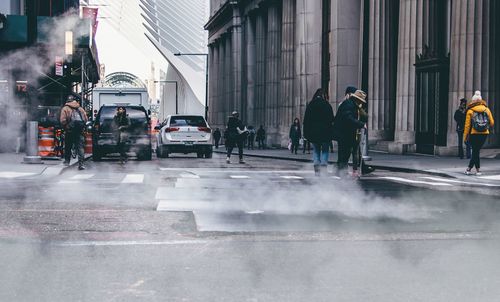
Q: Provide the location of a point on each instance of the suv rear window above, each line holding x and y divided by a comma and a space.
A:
137, 115
187, 120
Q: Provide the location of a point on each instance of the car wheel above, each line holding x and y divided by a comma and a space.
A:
159, 152
144, 155
96, 154
208, 154
199, 155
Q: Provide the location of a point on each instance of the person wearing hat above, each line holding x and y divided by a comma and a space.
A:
235, 136
459, 118
351, 117
478, 121
73, 119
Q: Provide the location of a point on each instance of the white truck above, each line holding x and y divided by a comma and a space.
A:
119, 96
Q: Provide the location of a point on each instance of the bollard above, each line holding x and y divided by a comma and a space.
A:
32, 144
364, 145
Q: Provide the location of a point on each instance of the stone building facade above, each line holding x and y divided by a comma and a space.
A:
414, 58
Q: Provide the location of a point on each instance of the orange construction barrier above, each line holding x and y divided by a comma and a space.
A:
88, 143
46, 143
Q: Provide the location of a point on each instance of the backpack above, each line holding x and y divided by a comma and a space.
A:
480, 121
75, 122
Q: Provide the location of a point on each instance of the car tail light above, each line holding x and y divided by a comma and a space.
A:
205, 129
171, 129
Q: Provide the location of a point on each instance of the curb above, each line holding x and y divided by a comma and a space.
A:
379, 167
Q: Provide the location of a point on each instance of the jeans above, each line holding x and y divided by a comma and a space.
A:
476, 141
230, 146
320, 153
77, 139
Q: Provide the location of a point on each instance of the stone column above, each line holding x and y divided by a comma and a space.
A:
250, 70
473, 51
409, 45
260, 62
236, 61
222, 81
287, 107
345, 48
381, 59
273, 44
308, 51
213, 56
229, 82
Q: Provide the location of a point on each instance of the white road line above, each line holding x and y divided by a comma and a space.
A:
133, 179
189, 175
291, 177
459, 181
239, 176
490, 177
125, 243
67, 181
7, 174
416, 181
81, 176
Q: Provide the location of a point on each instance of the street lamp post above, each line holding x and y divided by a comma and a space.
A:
176, 94
206, 76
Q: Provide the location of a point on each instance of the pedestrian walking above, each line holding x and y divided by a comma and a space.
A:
235, 136
351, 117
121, 125
459, 118
251, 137
318, 120
478, 121
217, 136
295, 134
261, 137
73, 119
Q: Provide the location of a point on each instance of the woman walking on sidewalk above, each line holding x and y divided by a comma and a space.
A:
478, 121
295, 134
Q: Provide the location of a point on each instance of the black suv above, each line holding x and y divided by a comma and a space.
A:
104, 138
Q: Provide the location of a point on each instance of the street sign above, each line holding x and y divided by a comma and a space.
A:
59, 66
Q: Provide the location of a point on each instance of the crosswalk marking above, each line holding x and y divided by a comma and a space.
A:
189, 175
239, 176
291, 177
7, 174
490, 177
400, 179
133, 179
81, 176
459, 181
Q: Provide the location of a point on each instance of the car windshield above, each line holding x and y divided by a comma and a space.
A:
136, 115
187, 120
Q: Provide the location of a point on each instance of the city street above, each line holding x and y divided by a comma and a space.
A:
189, 229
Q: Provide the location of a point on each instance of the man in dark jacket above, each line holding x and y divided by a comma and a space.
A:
235, 136
350, 118
318, 121
459, 118
217, 136
261, 137
121, 124
73, 119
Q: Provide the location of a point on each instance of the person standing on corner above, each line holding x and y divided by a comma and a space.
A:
73, 119
459, 118
350, 118
478, 121
318, 120
261, 137
295, 134
217, 136
234, 138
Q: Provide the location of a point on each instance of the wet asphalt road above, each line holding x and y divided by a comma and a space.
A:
188, 229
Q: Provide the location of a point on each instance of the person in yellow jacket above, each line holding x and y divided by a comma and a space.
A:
478, 121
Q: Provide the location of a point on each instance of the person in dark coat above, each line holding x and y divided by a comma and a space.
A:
72, 119
121, 124
251, 137
261, 137
295, 134
217, 136
235, 136
459, 118
350, 118
318, 120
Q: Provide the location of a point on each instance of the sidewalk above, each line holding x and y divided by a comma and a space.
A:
411, 163
12, 166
